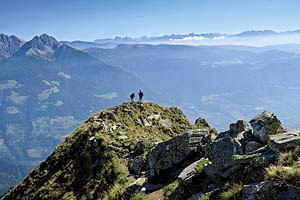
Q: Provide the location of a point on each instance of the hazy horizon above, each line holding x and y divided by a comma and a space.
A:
93, 19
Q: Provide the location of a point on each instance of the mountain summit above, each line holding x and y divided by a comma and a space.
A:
135, 150
92, 161
9, 45
42, 46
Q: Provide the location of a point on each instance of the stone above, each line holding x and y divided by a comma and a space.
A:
123, 137
188, 173
108, 115
137, 164
235, 129
169, 154
221, 152
202, 122
252, 146
285, 141
266, 124
166, 123
270, 190
258, 191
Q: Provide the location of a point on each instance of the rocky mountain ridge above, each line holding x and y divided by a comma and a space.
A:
146, 151
9, 45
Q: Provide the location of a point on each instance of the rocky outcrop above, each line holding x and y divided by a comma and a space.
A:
269, 190
169, 154
266, 124
285, 141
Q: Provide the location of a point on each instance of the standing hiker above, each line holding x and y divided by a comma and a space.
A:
132, 97
141, 96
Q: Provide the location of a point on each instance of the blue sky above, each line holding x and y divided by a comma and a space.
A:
92, 19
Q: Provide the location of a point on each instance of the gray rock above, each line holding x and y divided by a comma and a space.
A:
168, 154
235, 130
285, 141
166, 123
270, 190
258, 191
221, 152
108, 115
188, 173
266, 124
201, 121
252, 146
137, 164
123, 137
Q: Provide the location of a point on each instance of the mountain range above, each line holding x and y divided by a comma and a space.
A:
253, 37
220, 83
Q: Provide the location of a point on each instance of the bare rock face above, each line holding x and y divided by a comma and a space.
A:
9, 45
266, 124
168, 154
285, 141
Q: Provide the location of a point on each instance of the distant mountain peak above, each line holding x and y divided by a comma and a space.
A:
9, 45
43, 40
41, 46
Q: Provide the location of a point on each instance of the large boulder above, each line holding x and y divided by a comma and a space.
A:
285, 141
137, 164
235, 129
169, 154
266, 124
221, 151
270, 190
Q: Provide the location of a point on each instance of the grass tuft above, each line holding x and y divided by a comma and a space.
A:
232, 192
200, 165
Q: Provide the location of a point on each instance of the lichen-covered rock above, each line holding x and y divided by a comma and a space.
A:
285, 141
188, 173
168, 154
221, 151
235, 129
252, 146
270, 190
258, 191
137, 164
266, 124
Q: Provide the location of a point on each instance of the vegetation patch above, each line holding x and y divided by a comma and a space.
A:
232, 192
138, 196
170, 189
287, 169
200, 165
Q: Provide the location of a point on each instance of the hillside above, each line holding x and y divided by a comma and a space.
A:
48, 89
92, 162
146, 151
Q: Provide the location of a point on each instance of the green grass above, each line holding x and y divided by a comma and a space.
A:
232, 192
169, 189
204, 197
138, 196
287, 169
200, 165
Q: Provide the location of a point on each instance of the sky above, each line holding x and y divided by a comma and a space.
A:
93, 19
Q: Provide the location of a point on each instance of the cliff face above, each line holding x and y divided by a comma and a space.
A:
93, 161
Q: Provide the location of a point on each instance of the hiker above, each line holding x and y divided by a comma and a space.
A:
141, 96
132, 97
